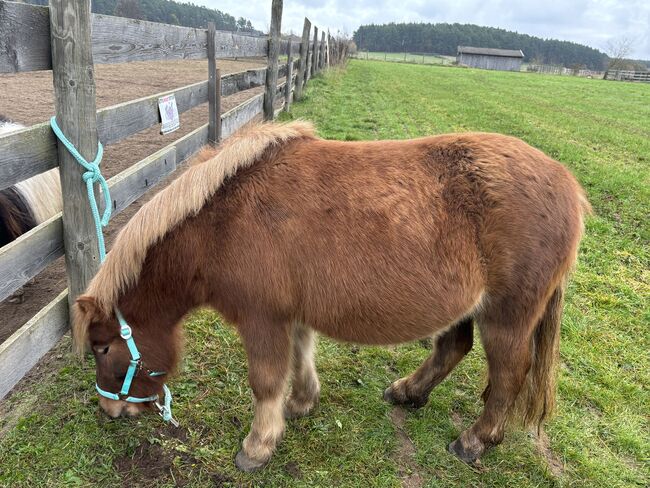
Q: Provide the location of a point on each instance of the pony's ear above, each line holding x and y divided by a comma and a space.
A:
85, 311
88, 305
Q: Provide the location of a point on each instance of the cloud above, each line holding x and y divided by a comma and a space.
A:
591, 22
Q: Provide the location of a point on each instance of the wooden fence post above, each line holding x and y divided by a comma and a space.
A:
314, 56
321, 57
301, 77
214, 89
289, 82
274, 53
310, 56
74, 93
327, 49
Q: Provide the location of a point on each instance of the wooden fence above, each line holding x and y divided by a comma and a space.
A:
627, 75
59, 38
548, 69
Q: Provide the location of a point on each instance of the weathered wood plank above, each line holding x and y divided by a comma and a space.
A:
274, 54
321, 56
214, 80
241, 115
23, 349
26, 153
119, 40
132, 183
302, 66
24, 37
25, 40
314, 58
231, 45
288, 94
236, 82
126, 119
74, 95
28, 255
187, 145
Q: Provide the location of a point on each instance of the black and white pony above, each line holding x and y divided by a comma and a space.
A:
28, 203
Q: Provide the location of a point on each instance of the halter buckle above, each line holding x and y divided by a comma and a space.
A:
161, 412
125, 332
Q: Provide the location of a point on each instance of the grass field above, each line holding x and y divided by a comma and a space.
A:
52, 433
407, 57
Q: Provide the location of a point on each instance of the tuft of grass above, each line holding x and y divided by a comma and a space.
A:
53, 435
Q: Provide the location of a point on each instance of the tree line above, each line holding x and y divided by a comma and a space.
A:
168, 12
445, 39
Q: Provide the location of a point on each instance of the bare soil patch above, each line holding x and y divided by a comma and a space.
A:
152, 465
407, 467
27, 98
543, 446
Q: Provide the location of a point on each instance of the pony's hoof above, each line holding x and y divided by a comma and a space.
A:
403, 400
295, 409
389, 396
248, 465
467, 456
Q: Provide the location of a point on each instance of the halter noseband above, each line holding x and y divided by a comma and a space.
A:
135, 364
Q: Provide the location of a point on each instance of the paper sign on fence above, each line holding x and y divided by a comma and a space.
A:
168, 114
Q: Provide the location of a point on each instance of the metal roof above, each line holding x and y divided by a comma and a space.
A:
487, 51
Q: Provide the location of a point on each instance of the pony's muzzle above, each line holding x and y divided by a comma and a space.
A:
121, 408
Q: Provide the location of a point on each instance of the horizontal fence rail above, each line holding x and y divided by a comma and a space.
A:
33, 150
20, 352
25, 40
628, 75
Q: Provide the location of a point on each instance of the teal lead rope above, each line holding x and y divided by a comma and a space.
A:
91, 176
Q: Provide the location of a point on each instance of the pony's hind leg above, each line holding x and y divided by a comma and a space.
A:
449, 347
305, 387
508, 354
268, 350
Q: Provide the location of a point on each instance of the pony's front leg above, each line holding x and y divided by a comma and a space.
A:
268, 347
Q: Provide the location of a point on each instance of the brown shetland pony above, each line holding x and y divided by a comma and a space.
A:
286, 234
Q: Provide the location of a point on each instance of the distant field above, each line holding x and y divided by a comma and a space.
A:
51, 433
407, 57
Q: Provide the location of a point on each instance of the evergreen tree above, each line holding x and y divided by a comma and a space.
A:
445, 39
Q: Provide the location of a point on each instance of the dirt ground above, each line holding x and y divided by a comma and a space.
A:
28, 98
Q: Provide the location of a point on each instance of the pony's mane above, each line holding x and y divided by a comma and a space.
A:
183, 198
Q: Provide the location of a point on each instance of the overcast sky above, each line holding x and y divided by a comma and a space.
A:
590, 22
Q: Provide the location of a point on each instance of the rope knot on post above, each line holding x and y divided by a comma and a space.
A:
91, 176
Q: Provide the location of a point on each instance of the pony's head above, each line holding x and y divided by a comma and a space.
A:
99, 332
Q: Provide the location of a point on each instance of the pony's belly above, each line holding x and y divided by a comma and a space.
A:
379, 334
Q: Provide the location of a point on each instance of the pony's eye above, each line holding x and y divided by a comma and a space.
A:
101, 349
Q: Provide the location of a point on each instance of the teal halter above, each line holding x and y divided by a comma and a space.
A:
91, 176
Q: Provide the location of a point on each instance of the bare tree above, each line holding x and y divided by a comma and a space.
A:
618, 49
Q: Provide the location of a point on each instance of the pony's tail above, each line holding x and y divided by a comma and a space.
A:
536, 402
537, 398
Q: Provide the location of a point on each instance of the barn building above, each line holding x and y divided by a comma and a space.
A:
488, 58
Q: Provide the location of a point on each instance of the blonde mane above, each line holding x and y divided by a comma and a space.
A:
183, 198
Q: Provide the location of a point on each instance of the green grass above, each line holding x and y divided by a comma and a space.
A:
54, 434
407, 57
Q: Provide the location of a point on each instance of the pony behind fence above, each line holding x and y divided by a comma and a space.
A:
383, 242
28, 203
